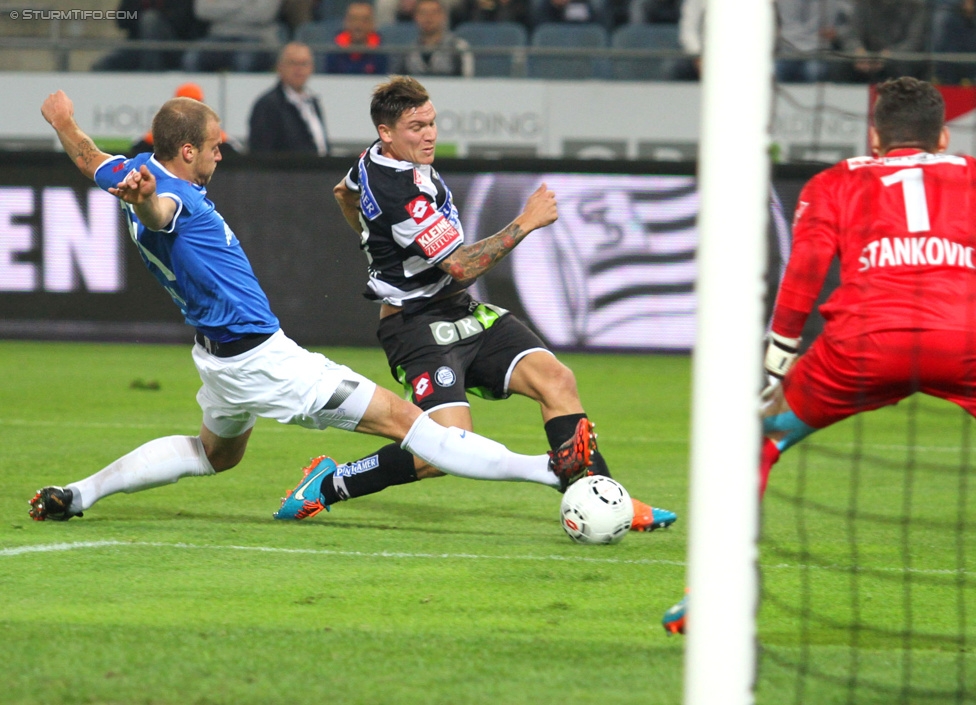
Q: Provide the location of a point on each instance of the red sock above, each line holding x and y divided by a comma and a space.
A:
769, 456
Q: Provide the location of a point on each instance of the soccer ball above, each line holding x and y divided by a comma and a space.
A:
596, 509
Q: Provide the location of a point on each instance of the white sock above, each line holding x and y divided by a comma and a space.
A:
159, 462
466, 454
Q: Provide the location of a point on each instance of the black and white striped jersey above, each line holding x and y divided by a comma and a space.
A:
409, 224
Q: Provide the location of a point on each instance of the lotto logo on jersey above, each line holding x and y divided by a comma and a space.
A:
437, 238
422, 387
419, 209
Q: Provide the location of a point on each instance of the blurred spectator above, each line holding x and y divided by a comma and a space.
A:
358, 30
295, 13
808, 27
405, 10
654, 11
288, 117
954, 30
235, 21
170, 20
564, 11
804, 26
438, 52
493, 11
228, 145
691, 31
614, 13
884, 27
390, 11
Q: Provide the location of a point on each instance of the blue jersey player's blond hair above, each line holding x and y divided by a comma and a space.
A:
180, 121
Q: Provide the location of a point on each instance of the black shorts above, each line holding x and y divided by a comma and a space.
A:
455, 346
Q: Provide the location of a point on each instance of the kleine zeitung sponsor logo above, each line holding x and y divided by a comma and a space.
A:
438, 236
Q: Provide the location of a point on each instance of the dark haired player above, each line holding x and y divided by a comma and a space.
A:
439, 342
903, 223
247, 365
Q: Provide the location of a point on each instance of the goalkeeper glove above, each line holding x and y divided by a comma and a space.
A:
781, 352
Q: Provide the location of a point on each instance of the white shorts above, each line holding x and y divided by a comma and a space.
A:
279, 380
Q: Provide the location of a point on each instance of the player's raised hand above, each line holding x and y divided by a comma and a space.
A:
57, 108
59, 111
540, 209
137, 187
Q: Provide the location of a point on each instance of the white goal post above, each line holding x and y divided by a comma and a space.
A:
737, 82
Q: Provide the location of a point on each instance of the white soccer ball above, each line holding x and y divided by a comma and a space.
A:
596, 509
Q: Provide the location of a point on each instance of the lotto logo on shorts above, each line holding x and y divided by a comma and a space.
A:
419, 209
422, 387
437, 238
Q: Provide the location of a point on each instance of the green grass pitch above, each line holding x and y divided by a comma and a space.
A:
449, 590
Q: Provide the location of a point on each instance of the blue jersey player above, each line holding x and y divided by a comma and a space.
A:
247, 365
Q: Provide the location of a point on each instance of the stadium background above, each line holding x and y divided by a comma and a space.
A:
615, 273
302, 255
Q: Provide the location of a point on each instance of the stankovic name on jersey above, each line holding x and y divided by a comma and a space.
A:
917, 251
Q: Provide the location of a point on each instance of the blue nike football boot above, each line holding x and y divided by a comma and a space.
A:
306, 499
648, 518
674, 619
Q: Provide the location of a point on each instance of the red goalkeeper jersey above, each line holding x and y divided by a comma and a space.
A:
904, 227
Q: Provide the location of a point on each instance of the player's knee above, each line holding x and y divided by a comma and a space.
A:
388, 415
403, 415
223, 460
395, 423
428, 471
223, 456
223, 453
558, 385
540, 376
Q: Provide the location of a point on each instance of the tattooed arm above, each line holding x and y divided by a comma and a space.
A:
469, 262
59, 111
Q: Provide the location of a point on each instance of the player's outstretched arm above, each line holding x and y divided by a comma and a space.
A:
59, 111
469, 262
348, 201
138, 188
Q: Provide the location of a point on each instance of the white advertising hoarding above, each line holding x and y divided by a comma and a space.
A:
481, 117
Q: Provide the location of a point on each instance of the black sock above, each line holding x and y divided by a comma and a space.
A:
560, 428
599, 466
390, 465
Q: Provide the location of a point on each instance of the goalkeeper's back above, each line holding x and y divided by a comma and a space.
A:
901, 222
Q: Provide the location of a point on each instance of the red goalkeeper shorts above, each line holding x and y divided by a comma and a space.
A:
835, 379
